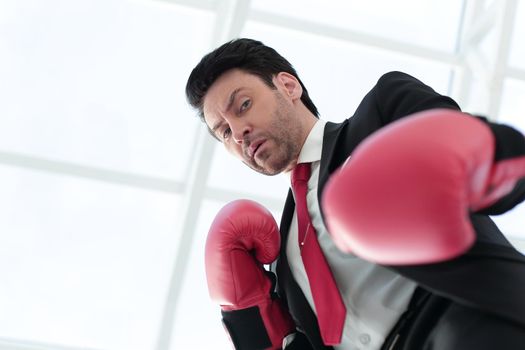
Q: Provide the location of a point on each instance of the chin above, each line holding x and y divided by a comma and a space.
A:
268, 168
264, 170
274, 170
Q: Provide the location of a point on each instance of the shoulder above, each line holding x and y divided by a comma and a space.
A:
396, 78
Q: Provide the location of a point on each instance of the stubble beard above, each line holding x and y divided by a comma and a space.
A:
285, 134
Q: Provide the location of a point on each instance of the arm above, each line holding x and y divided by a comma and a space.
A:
405, 194
398, 94
242, 238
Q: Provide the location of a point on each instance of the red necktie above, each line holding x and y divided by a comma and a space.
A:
331, 310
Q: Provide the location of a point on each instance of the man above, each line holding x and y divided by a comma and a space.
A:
253, 102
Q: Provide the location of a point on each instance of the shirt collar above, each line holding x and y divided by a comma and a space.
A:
313, 145
312, 148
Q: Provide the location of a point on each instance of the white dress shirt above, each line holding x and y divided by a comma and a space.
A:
375, 297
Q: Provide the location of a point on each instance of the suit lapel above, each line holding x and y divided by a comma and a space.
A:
330, 155
286, 221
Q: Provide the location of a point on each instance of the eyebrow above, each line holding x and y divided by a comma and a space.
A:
232, 98
215, 127
228, 106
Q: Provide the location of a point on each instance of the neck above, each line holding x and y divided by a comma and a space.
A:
306, 123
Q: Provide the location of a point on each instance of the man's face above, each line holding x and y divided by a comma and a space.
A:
256, 123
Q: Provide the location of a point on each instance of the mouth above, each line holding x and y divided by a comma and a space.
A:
254, 147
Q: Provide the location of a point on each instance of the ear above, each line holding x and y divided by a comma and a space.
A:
289, 85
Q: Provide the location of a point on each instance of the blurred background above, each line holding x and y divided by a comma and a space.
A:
109, 182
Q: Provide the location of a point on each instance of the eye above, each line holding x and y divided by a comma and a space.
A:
245, 105
226, 133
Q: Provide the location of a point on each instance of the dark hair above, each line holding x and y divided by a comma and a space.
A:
249, 55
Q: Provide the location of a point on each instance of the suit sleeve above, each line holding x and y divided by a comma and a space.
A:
398, 94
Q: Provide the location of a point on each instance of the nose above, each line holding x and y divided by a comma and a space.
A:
239, 132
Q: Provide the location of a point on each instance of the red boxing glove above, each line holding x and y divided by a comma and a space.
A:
405, 194
243, 236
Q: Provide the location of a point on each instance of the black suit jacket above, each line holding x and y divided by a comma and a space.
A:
490, 276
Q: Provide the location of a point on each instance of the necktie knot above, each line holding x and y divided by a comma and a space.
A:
301, 172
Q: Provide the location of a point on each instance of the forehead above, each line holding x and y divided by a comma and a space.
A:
218, 94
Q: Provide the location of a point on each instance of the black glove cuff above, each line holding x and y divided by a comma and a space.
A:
246, 329
510, 143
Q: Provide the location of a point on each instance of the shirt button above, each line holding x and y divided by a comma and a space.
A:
364, 338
